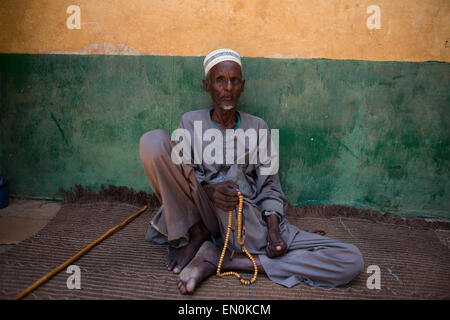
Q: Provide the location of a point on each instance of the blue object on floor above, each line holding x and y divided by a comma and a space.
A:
3, 193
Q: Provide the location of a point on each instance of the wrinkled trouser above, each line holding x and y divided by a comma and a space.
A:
311, 258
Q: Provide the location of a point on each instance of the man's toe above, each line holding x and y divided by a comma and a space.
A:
171, 264
181, 286
177, 269
190, 286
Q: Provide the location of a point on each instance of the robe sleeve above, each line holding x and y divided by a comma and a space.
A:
198, 168
270, 196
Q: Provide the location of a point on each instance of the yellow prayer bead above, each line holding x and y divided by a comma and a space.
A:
241, 241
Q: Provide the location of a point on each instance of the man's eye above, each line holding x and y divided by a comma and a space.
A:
236, 80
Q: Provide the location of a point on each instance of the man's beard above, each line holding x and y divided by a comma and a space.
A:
227, 107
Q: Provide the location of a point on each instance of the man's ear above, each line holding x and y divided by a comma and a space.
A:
206, 84
243, 85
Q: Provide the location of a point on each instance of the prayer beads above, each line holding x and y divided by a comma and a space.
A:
241, 240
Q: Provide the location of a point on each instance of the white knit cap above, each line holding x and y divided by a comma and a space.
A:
218, 56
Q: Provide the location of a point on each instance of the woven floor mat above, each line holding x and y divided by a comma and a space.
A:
414, 261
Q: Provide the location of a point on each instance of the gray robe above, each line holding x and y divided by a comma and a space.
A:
310, 258
260, 192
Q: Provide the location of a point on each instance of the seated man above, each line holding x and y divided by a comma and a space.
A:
196, 198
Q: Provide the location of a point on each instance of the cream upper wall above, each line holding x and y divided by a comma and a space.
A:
411, 30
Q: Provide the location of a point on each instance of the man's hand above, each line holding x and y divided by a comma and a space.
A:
224, 194
276, 246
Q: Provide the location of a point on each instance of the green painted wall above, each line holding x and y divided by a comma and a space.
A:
367, 134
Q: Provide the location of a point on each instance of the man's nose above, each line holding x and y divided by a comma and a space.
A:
229, 85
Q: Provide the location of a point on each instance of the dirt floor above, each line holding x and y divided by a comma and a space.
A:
23, 218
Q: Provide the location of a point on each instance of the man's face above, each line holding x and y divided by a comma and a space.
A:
225, 84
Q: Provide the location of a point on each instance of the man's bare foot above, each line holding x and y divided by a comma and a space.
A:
180, 257
199, 269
